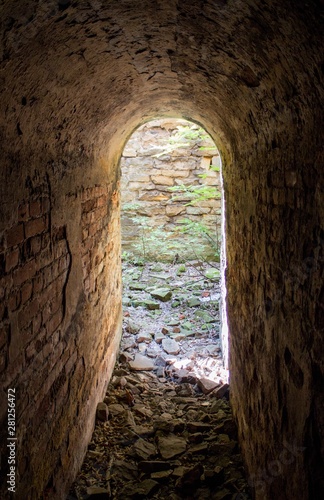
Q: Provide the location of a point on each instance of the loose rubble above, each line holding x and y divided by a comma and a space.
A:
164, 429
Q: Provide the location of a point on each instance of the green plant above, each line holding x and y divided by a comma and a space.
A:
198, 229
188, 239
184, 135
196, 194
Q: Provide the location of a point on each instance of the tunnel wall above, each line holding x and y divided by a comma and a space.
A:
58, 339
77, 78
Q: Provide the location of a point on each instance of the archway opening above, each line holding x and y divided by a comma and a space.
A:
169, 389
172, 252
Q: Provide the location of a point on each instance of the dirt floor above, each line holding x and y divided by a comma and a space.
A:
164, 429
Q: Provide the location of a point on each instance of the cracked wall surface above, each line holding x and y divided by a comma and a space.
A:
76, 79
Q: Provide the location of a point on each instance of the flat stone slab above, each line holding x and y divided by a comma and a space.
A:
144, 449
151, 305
116, 409
97, 491
132, 326
171, 446
222, 391
193, 302
178, 336
212, 273
144, 337
137, 286
143, 489
140, 363
158, 337
154, 466
170, 346
207, 318
198, 427
206, 385
163, 294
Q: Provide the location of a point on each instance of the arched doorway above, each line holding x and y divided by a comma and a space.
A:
171, 218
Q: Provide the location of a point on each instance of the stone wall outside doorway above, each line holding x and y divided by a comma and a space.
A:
154, 161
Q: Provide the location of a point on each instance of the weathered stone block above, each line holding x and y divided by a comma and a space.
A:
172, 210
162, 180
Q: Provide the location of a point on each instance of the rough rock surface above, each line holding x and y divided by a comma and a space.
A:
173, 446
169, 435
187, 160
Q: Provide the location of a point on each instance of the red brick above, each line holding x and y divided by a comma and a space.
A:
44, 259
36, 245
35, 208
37, 324
23, 212
12, 260
54, 322
27, 314
38, 283
48, 276
61, 396
36, 226
30, 351
23, 318
24, 273
26, 292
15, 235
51, 308
47, 350
26, 334
14, 301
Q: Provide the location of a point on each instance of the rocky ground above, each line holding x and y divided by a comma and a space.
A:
164, 429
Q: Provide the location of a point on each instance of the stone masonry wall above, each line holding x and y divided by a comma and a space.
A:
152, 164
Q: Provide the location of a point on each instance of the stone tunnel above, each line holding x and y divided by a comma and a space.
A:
77, 78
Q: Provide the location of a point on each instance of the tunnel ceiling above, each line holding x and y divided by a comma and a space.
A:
83, 73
